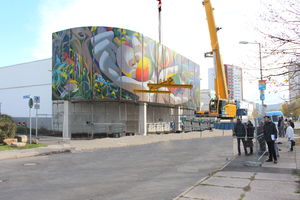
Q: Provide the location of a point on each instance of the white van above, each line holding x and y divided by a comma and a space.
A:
275, 116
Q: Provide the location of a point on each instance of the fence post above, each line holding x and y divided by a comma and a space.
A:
36, 123
257, 141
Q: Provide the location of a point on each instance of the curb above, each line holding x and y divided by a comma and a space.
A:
56, 152
33, 154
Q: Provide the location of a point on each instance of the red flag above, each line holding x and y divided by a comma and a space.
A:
159, 5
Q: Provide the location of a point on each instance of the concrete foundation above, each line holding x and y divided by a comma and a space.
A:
114, 119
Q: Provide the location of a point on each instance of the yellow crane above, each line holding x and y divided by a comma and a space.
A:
220, 106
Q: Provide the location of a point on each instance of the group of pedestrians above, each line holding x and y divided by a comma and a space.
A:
246, 134
240, 132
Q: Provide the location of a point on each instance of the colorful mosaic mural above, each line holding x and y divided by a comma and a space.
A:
108, 63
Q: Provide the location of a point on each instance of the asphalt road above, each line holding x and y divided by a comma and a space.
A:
160, 170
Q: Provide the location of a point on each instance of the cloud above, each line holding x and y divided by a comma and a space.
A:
59, 15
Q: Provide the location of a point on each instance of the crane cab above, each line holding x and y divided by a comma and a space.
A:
222, 108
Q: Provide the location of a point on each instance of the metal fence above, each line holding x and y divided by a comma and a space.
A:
44, 121
98, 120
158, 128
189, 122
259, 147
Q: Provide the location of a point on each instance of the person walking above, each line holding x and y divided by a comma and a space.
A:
281, 126
290, 135
291, 123
250, 135
270, 133
240, 131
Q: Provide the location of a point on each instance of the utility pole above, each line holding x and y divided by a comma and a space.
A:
159, 20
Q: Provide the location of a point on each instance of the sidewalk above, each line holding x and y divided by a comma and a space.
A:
237, 181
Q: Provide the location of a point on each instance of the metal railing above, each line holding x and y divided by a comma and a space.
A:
259, 147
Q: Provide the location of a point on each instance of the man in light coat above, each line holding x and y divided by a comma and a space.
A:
290, 135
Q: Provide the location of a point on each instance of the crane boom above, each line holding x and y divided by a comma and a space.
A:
220, 79
220, 106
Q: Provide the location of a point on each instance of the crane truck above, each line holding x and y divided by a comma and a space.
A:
219, 107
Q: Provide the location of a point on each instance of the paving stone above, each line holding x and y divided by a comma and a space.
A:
281, 165
229, 182
274, 195
276, 176
266, 185
214, 192
232, 174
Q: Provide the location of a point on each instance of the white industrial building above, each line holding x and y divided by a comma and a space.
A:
17, 81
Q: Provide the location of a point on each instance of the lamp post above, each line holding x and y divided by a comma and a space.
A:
245, 42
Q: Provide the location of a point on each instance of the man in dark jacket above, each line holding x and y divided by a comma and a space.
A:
240, 132
279, 127
270, 133
292, 123
250, 135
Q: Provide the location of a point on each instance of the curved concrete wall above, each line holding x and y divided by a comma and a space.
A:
108, 63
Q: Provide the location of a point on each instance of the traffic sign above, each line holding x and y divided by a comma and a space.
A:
36, 99
36, 106
30, 103
26, 96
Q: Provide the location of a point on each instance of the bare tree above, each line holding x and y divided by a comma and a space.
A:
280, 26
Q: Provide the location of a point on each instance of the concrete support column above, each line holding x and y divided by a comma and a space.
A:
143, 119
177, 118
66, 122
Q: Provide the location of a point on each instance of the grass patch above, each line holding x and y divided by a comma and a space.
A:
297, 192
242, 196
252, 177
296, 130
296, 172
247, 188
213, 173
27, 146
228, 187
205, 184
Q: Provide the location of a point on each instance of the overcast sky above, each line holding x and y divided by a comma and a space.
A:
27, 27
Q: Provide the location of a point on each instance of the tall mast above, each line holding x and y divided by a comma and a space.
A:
159, 20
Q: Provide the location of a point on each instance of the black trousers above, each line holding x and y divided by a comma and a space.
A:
292, 144
239, 146
272, 153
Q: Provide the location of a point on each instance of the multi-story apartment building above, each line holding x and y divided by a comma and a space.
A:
234, 81
294, 82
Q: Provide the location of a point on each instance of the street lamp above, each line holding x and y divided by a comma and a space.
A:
245, 42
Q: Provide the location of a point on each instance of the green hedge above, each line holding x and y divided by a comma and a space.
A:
8, 127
